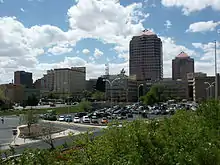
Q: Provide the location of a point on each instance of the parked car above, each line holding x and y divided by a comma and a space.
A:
76, 120
104, 120
94, 120
86, 119
81, 114
130, 115
68, 118
61, 118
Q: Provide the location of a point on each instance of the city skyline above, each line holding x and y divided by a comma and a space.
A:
71, 34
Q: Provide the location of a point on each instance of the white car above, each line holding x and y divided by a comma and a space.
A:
76, 120
86, 119
61, 118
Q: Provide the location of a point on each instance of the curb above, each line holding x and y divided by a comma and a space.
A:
74, 124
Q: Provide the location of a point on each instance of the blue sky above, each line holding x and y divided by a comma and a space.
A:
36, 35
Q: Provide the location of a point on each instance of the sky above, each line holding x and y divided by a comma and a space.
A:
38, 35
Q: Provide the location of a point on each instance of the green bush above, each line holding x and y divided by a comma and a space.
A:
187, 138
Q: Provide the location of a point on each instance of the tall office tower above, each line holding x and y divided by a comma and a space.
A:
146, 57
181, 66
23, 78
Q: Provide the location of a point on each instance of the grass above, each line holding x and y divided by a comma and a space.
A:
59, 110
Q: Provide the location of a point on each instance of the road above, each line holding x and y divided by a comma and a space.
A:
42, 145
6, 129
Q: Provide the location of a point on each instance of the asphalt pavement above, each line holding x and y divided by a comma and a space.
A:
6, 135
42, 145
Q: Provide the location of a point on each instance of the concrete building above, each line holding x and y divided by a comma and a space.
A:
200, 86
70, 80
23, 78
146, 57
49, 80
182, 65
13, 92
123, 89
91, 84
175, 89
190, 78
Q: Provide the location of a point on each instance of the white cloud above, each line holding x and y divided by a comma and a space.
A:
98, 53
1, 1
22, 10
168, 24
189, 6
208, 51
203, 26
85, 51
60, 49
20, 46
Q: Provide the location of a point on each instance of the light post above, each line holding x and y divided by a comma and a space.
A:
138, 94
216, 75
111, 84
209, 88
216, 70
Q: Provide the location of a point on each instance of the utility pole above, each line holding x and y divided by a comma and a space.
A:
216, 73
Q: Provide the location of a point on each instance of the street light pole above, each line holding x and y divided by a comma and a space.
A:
216, 74
111, 84
209, 88
138, 94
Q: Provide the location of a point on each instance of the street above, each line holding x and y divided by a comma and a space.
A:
42, 145
6, 136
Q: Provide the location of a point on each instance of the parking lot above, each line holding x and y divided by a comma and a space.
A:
129, 113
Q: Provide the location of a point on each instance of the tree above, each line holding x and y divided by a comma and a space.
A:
32, 100
85, 105
155, 95
98, 95
29, 118
47, 132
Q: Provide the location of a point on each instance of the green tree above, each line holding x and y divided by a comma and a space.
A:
155, 95
32, 100
85, 105
29, 118
97, 95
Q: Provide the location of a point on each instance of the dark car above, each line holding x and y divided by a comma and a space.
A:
68, 118
130, 115
81, 114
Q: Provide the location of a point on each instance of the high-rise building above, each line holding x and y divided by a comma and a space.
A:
146, 57
23, 78
181, 66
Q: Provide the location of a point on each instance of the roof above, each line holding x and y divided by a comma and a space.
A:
147, 32
182, 55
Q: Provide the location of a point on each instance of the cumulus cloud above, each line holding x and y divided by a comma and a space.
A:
168, 24
21, 46
98, 53
203, 26
189, 6
60, 49
85, 51
22, 10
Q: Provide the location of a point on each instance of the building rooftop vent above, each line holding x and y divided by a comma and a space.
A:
182, 55
147, 32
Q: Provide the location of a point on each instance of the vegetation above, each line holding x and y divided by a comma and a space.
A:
99, 96
85, 105
155, 95
186, 138
29, 118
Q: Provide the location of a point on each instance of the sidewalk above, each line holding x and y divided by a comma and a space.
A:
21, 141
74, 124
